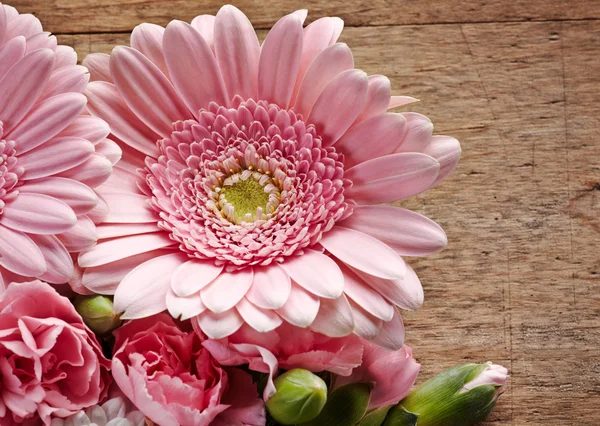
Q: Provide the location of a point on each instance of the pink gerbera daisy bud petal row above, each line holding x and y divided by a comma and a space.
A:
252, 179
52, 154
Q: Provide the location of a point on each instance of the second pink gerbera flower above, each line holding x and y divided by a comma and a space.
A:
251, 178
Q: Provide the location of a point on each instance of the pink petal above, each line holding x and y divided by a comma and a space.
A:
3, 27
65, 56
391, 335
334, 60
105, 279
365, 325
112, 230
363, 252
334, 318
316, 273
122, 181
11, 53
46, 120
262, 320
76, 195
398, 101
55, 156
105, 102
148, 40
184, 307
87, 127
80, 237
365, 296
392, 177
407, 232
67, 79
19, 254
38, 214
378, 97
218, 326
22, 86
146, 90
98, 66
339, 104
59, 264
193, 67
205, 25
128, 208
224, 292
143, 291
193, 276
271, 287
418, 133
24, 24
121, 248
406, 293
93, 172
280, 61
238, 52
446, 150
98, 213
371, 138
42, 40
301, 307
110, 150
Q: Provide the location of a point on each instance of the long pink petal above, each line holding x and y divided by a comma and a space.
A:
366, 325
238, 52
109, 149
143, 292
378, 97
59, 264
262, 320
334, 318
146, 90
184, 307
24, 24
398, 101
3, 25
98, 65
193, 67
87, 127
218, 326
224, 292
365, 296
446, 150
148, 39
19, 254
80, 237
391, 335
38, 214
11, 53
332, 61
121, 248
339, 104
75, 194
46, 120
112, 230
93, 172
205, 25
301, 307
392, 177
271, 287
122, 181
363, 252
72, 79
280, 61
418, 133
65, 56
192, 276
55, 156
406, 293
407, 232
371, 138
316, 273
22, 86
128, 208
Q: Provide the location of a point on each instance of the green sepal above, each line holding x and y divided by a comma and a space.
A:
98, 313
346, 406
399, 416
375, 417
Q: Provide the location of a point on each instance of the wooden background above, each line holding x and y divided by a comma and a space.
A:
518, 82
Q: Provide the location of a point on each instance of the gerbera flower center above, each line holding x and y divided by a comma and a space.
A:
247, 197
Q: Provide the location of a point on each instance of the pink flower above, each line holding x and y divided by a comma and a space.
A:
51, 155
392, 374
114, 412
173, 380
261, 171
50, 362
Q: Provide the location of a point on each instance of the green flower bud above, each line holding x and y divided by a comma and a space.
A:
98, 313
461, 396
300, 397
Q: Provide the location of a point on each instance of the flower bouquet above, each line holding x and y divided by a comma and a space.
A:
194, 231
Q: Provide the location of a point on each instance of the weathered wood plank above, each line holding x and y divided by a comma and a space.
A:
519, 281
84, 16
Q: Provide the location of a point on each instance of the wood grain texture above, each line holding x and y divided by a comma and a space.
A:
519, 282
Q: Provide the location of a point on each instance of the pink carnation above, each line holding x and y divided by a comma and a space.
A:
252, 180
50, 362
51, 154
173, 380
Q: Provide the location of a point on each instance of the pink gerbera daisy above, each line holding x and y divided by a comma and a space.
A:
251, 180
51, 156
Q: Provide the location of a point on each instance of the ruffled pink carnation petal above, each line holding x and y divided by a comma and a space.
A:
52, 155
251, 179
